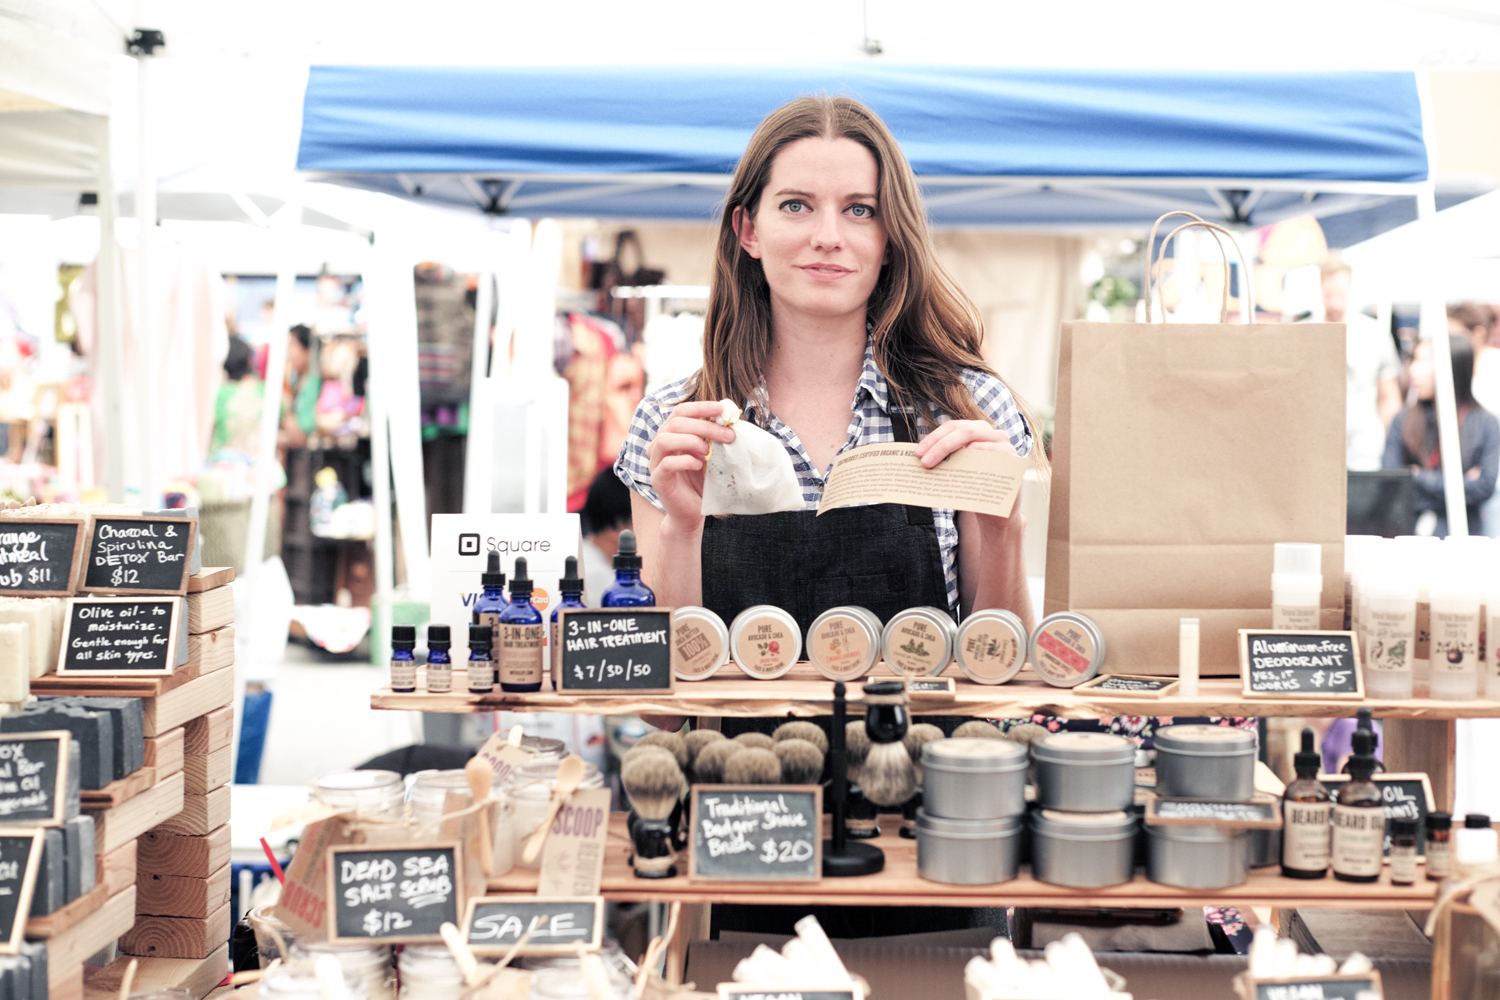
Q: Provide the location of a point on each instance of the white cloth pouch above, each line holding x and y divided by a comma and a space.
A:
752, 474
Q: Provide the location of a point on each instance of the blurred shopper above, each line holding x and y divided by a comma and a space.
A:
238, 403
300, 390
1373, 397
606, 513
1413, 438
1476, 322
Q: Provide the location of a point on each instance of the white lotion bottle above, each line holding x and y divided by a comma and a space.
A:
1297, 587
1390, 624
1455, 629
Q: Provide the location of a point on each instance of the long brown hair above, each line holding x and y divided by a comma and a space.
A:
923, 327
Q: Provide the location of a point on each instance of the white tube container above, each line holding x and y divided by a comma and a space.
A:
1418, 555
1297, 587
1390, 620
1455, 630
1490, 662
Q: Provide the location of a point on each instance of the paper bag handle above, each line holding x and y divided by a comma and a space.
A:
1247, 313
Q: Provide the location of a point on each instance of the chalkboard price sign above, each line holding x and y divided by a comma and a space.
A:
615, 651
1131, 686
1406, 796
1319, 987
494, 923
39, 558
132, 554
391, 894
1322, 665
738, 991
931, 687
20, 857
34, 778
1261, 813
756, 833
120, 635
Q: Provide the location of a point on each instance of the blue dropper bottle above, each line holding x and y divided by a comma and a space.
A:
571, 589
489, 604
521, 633
627, 591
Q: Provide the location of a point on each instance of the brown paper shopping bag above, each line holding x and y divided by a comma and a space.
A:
1181, 454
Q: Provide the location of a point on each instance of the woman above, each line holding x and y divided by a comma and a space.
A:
1413, 438
832, 323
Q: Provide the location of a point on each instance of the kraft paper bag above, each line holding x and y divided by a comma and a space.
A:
1181, 454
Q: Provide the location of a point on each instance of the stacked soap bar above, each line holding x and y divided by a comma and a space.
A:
68, 867
108, 731
24, 976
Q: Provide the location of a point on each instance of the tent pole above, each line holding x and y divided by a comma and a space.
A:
477, 488
145, 327
107, 357
376, 294
1434, 327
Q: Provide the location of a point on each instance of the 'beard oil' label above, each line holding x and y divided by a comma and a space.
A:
1358, 840
521, 654
1305, 835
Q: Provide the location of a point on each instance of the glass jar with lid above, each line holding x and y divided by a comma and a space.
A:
428, 972
300, 982
273, 936
429, 793
378, 795
530, 790
370, 963
561, 982
164, 995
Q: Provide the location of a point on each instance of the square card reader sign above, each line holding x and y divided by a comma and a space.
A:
461, 544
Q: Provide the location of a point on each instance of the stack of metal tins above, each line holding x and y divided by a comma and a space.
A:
1083, 830
1203, 763
974, 796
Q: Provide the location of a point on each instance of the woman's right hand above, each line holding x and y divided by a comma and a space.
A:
677, 455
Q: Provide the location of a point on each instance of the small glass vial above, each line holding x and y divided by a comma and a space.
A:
1439, 848
571, 589
1358, 848
521, 637
403, 660
490, 603
627, 590
439, 665
1403, 851
481, 667
1305, 808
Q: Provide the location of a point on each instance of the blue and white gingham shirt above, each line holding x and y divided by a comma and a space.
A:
870, 424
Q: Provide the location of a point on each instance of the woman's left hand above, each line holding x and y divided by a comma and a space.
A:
949, 437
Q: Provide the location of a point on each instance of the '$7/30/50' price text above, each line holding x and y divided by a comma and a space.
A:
611, 671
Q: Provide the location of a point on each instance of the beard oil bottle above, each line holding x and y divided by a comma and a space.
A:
1305, 807
1359, 817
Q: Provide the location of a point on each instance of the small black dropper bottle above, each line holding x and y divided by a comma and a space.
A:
1359, 817
1305, 808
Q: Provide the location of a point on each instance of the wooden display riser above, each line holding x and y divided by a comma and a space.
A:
802, 692
208, 653
899, 885
199, 976
67, 951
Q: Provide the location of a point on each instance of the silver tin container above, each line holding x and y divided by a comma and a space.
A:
1265, 848
974, 779
918, 642
1205, 762
1083, 850
1066, 649
765, 641
700, 642
991, 646
1197, 857
967, 851
1084, 772
843, 644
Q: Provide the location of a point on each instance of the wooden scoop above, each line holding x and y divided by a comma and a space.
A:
128, 980
514, 736
569, 774
461, 953
481, 778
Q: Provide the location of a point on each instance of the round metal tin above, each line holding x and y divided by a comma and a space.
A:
843, 644
974, 779
1205, 762
700, 643
967, 852
765, 641
991, 646
918, 642
1066, 649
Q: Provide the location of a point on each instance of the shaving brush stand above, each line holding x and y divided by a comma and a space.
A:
841, 856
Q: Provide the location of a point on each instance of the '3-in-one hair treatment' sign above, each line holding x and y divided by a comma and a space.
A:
132, 554
1321, 665
1336, 987
614, 650
39, 558
20, 857
558, 924
756, 833
120, 635
389, 894
34, 778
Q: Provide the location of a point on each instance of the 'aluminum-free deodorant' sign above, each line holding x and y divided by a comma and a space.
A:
1300, 665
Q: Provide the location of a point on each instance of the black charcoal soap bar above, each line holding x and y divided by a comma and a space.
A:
75, 762
15, 977
51, 892
129, 716
94, 732
79, 834
35, 952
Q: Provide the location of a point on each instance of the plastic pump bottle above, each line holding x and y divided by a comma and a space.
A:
1297, 587
521, 637
490, 602
627, 590
571, 589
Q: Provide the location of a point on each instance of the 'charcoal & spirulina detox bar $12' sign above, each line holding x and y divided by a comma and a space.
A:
131, 554
1300, 665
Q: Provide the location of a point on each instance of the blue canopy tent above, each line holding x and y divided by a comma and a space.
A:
996, 148
1035, 150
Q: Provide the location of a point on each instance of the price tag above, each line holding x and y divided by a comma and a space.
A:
756, 833
572, 862
494, 923
134, 554
739, 991
392, 894
614, 650
930, 687
1405, 795
1316, 987
120, 635
1320, 665
39, 558
34, 778
1131, 686
20, 857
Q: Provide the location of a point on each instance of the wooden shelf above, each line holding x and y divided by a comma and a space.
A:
899, 885
804, 693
